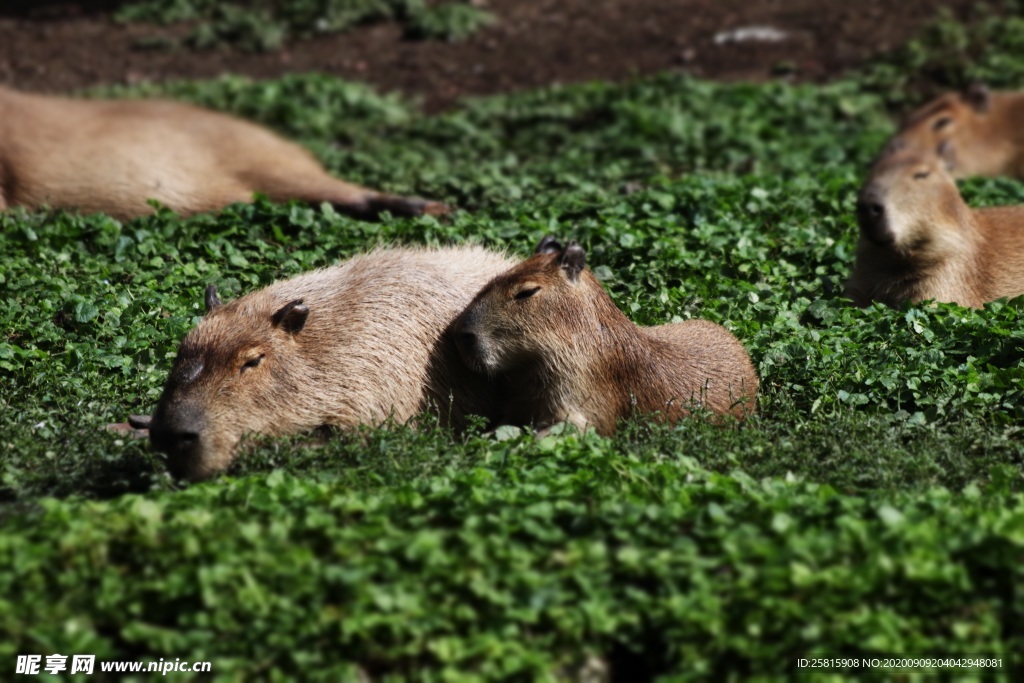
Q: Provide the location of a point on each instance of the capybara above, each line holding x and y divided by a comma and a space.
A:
559, 349
975, 132
919, 239
358, 343
111, 156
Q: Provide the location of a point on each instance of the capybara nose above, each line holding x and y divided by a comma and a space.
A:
177, 432
186, 440
872, 219
469, 345
870, 212
182, 449
173, 442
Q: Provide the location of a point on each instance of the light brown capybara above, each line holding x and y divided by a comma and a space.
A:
111, 156
919, 239
553, 340
359, 343
975, 132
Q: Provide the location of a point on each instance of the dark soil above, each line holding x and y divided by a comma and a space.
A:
60, 45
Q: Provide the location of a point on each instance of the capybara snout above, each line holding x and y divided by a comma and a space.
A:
177, 430
871, 215
468, 343
471, 334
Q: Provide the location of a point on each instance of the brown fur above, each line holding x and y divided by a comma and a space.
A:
919, 240
112, 156
549, 333
358, 343
976, 132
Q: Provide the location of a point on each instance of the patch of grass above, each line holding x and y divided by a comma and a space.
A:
590, 140
96, 310
519, 567
266, 25
951, 54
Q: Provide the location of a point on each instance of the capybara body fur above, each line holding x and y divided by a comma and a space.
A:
112, 156
976, 132
359, 343
552, 338
919, 239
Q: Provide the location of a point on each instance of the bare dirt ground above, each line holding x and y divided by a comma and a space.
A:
61, 45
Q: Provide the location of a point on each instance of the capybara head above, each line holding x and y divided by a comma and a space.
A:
231, 371
953, 128
910, 206
530, 312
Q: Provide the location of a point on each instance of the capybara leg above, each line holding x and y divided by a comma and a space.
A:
406, 206
140, 421
355, 200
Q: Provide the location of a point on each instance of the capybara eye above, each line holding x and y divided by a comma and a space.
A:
942, 123
526, 293
252, 362
921, 175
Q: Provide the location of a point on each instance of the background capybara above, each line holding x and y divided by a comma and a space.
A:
358, 343
550, 334
112, 156
975, 132
919, 239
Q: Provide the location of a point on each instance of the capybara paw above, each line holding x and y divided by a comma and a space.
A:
408, 206
436, 209
140, 421
128, 429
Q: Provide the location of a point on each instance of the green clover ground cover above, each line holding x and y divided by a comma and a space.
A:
265, 25
873, 506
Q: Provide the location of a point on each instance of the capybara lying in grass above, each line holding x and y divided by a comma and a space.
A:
552, 338
359, 343
111, 156
919, 239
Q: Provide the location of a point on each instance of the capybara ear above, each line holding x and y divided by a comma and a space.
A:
978, 96
291, 317
947, 153
212, 300
548, 245
573, 260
